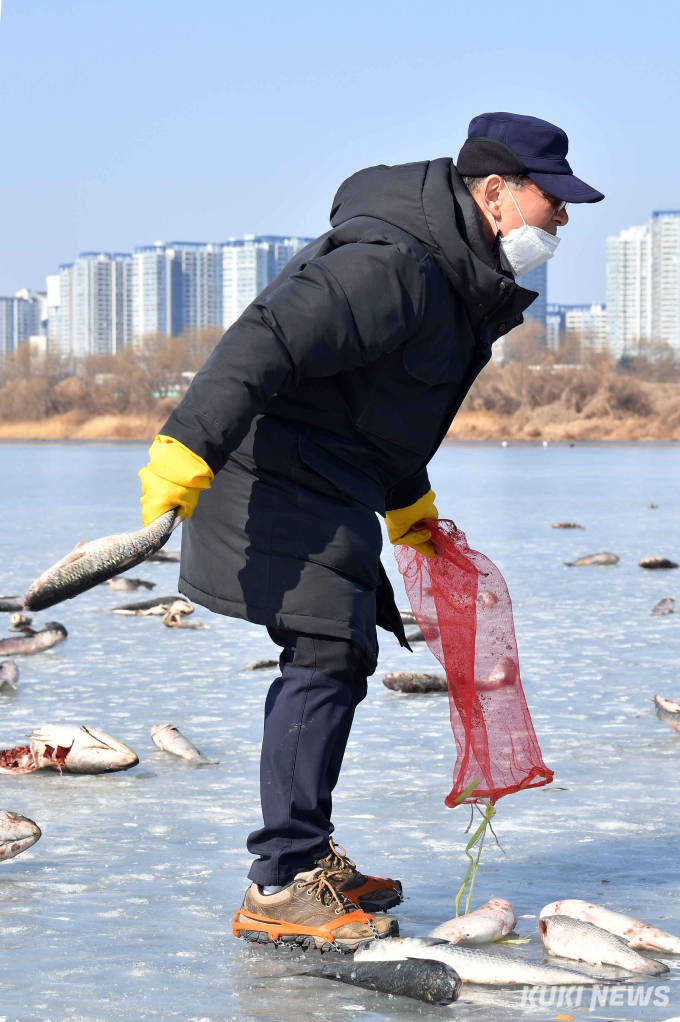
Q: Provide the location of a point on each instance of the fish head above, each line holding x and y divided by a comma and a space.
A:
54, 626
505, 911
158, 729
667, 704
80, 750
181, 607
17, 833
9, 673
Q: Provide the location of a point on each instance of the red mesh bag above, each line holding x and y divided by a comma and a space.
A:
462, 605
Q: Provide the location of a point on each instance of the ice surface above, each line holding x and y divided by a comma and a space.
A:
123, 909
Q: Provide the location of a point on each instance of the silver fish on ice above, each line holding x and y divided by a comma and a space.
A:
33, 642
668, 712
123, 584
664, 606
586, 942
90, 564
69, 749
170, 739
602, 559
159, 605
471, 965
17, 833
9, 676
489, 922
638, 934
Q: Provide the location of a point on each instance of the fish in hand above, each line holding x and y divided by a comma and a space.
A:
586, 942
90, 564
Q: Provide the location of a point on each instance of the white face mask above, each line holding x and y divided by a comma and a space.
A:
524, 248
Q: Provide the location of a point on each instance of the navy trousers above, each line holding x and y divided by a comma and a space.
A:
307, 720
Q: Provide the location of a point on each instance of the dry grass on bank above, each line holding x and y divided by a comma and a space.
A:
70, 426
536, 395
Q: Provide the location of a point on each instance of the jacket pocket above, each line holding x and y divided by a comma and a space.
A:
414, 389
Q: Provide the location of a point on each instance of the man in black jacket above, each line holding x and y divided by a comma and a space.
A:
320, 406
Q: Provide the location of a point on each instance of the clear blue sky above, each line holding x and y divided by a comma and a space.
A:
129, 121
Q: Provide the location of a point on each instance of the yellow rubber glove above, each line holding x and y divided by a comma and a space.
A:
399, 524
174, 477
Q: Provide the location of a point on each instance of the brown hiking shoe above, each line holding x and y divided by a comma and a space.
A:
310, 912
372, 894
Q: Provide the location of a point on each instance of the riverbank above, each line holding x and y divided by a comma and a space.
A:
548, 423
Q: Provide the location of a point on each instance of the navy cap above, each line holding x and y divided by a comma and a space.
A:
502, 143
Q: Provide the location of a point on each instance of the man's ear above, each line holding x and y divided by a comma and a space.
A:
491, 190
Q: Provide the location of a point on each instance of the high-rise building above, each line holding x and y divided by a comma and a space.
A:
19, 319
248, 265
156, 291
102, 302
89, 305
536, 280
665, 231
629, 274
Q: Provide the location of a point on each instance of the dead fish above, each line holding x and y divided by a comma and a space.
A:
69, 749
668, 712
652, 505
90, 564
586, 942
17, 833
10, 604
165, 556
175, 619
473, 966
416, 636
656, 562
121, 584
428, 981
593, 559
34, 642
260, 665
664, 606
489, 922
18, 620
638, 934
156, 605
503, 672
567, 525
406, 681
170, 739
9, 675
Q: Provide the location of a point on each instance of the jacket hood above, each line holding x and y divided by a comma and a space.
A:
430, 201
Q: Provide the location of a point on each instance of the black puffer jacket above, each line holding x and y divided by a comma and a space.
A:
326, 400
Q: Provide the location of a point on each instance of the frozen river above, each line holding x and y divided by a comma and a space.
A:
123, 909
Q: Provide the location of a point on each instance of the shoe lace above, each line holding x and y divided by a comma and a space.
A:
323, 888
338, 858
